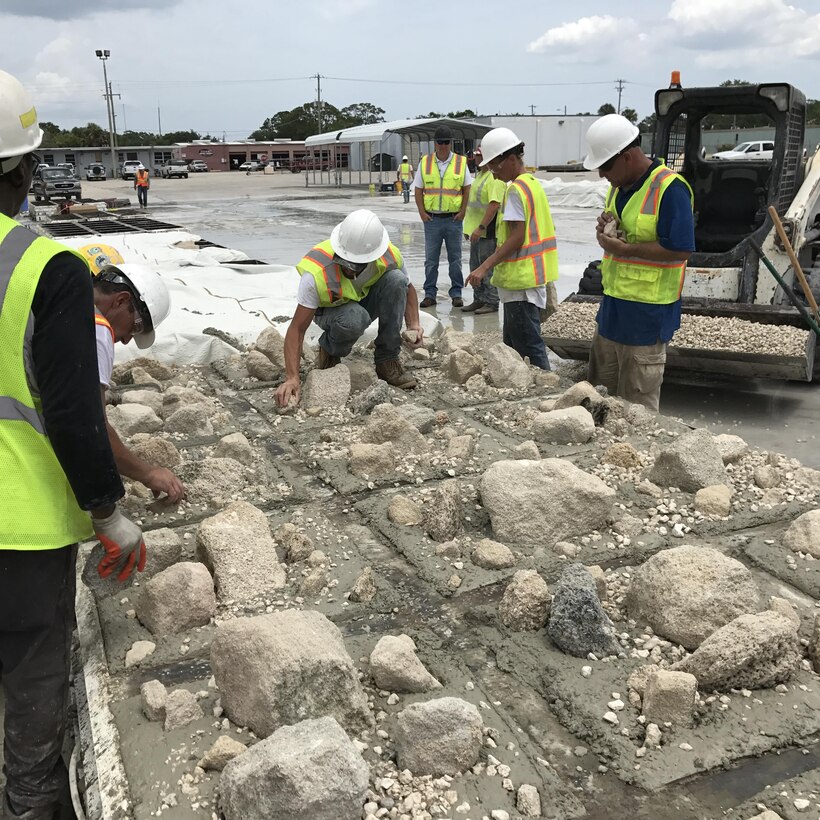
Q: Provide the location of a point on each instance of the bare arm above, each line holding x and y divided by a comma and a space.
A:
511, 244
411, 316
294, 339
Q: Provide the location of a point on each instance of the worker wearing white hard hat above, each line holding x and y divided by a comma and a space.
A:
57, 468
526, 256
404, 174
647, 234
131, 301
348, 281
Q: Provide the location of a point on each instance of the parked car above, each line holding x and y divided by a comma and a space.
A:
55, 183
197, 166
130, 167
759, 149
174, 168
251, 165
68, 165
95, 172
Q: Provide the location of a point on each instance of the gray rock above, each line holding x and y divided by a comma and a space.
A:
422, 418
153, 694
271, 343
527, 450
128, 419
395, 666
327, 388
163, 549
139, 651
575, 396
224, 750
571, 425
438, 737
731, 448
750, 652
365, 401
461, 365
526, 602
259, 366
386, 424
669, 697
538, 503
309, 770
784, 608
686, 593
599, 576
313, 583
181, 708
691, 462
715, 500
190, 420
178, 598
297, 544
506, 369
235, 446
578, 625
489, 554
158, 451
365, 588
813, 649
404, 511
282, 668
371, 460
622, 454
452, 340
766, 477
237, 547
803, 534
460, 447
147, 398
443, 513
528, 801
140, 376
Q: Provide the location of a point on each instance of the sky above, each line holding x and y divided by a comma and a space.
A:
219, 69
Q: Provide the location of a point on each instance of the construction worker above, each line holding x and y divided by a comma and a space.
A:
131, 301
486, 195
57, 467
141, 186
348, 281
526, 257
442, 188
405, 176
642, 273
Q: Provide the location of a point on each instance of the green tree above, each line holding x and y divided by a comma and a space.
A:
734, 121
357, 114
433, 115
466, 114
631, 114
647, 124
606, 108
812, 112
298, 123
85, 136
178, 136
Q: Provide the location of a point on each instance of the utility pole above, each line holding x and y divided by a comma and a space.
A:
318, 102
104, 54
619, 86
532, 110
111, 96
159, 119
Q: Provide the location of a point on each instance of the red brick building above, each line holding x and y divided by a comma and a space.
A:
285, 154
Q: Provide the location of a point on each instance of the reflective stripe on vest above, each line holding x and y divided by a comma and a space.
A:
99, 319
142, 178
536, 262
633, 278
13, 410
443, 195
404, 170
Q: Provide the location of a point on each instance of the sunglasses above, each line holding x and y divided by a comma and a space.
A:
610, 163
142, 320
353, 267
443, 142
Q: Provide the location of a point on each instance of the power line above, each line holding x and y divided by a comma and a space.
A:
456, 83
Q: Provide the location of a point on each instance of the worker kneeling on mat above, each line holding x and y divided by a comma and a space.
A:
347, 282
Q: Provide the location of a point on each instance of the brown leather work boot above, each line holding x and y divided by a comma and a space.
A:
393, 373
324, 361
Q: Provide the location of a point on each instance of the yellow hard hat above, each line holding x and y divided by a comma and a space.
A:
98, 256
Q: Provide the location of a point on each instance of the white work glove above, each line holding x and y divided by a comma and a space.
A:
123, 544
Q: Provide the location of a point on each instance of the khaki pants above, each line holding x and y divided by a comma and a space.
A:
633, 372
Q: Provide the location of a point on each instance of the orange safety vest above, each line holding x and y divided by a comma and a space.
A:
141, 179
99, 319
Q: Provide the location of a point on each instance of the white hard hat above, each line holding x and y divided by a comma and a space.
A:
606, 137
496, 142
20, 133
154, 301
360, 237
404, 157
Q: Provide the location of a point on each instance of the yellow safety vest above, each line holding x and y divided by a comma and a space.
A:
404, 171
39, 510
485, 189
443, 195
641, 280
333, 287
536, 261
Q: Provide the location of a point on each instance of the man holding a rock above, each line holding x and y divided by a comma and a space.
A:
347, 281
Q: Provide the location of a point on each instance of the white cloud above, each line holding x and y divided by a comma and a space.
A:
595, 33
51, 10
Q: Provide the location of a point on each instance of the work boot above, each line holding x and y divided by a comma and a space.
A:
474, 305
324, 361
393, 373
486, 309
458, 302
428, 301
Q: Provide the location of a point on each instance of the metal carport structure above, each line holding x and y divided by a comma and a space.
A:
412, 133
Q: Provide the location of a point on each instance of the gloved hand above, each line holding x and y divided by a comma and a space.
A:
123, 544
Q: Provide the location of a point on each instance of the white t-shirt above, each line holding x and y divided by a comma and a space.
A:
418, 182
514, 212
308, 296
105, 354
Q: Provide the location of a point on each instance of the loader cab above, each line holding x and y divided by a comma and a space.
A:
732, 191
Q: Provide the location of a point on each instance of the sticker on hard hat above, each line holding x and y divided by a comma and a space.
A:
29, 118
100, 256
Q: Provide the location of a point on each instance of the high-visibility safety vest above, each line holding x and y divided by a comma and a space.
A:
485, 189
99, 319
641, 280
39, 510
404, 171
443, 195
333, 287
142, 179
536, 262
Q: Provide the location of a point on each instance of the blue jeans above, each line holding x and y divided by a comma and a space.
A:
142, 195
447, 230
522, 332
405, 189
344, 324
485, 292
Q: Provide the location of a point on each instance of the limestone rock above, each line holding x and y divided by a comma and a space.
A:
490, 554
237, 547
422, 418
803, 534
297, 544
371, 460
163, 549
766, 477
767, 815
235, 446
526, 602
442, 514
809, 477
578, 625
750, 652
528, 801
363, 402
623, 455
365, 588
715, 500
122, 372
639, 678
128, 419
223, 751
537, 503
438, 737
387, 424
670, 697
181, 708
404, 511
176, 397
327, 388
190, 420
599, 576
813, 649
271, 343
453, 340
313, 583
259, 366
575, 395
138, 652
731, 448
308, 770
282, 668
158, 451
506, 369
147, 398
571, 425
460, 447
691, 462
395, 666
461, 365
362, 374
686, 593
153, 694
784, 608
528, 450
178, 598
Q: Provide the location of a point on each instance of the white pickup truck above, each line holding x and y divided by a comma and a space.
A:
174, 168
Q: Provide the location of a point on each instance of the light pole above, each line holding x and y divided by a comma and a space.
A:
104, 54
